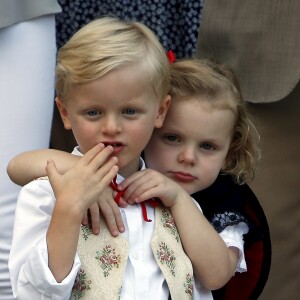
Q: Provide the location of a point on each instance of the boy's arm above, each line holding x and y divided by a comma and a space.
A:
75, 192
213, 262
30, 165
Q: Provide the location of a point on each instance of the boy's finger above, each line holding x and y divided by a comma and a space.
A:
97, 156
88, 157
51, 171
102, 157
108, 171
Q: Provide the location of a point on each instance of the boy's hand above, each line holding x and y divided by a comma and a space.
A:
107, 208
82, 185
149, 183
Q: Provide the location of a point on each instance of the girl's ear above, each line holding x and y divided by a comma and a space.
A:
63, 113
229, 159
162, 111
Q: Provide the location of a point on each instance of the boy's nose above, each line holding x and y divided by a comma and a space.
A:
111, 125
187, 156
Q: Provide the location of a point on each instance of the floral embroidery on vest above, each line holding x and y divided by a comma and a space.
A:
103, 259
86, 231
108, 259
168, 222
81, 285
166, 256
189, 285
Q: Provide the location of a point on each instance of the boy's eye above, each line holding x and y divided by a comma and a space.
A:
172, 138
129, 111
93, 112
207, 146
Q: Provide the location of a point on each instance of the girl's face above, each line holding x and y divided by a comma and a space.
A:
119, 109
192, 145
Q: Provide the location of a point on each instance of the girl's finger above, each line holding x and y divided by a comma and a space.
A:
122, 203
138, 187
85, 220
108, 214
118, 217
95, 218
131, 179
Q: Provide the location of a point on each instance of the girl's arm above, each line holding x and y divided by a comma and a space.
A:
30, 165
213, 262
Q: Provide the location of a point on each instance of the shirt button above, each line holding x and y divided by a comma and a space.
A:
136, 256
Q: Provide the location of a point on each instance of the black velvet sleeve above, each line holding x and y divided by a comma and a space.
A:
226, 203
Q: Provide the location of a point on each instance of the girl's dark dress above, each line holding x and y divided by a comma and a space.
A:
226, 203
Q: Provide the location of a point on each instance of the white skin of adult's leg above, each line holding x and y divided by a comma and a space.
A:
26, 97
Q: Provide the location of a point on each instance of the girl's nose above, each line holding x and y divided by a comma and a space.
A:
111, 125
187, 156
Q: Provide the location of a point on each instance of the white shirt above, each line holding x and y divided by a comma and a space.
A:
28, 264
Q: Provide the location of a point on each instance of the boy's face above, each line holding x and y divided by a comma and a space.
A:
192, 145
119, 109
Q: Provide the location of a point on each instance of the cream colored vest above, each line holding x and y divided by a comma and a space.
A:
103, 261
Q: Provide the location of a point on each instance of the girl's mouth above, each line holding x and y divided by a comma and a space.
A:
183, 177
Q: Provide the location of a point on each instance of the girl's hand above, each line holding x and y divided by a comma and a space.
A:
149, 183
107, 208
83, 185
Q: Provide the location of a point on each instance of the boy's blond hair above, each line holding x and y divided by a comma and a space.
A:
216, 84
106, 44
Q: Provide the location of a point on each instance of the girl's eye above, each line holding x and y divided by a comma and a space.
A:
172, 138
129, 111
207, 146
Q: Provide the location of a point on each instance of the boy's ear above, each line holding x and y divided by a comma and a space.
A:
162, 111
63, 113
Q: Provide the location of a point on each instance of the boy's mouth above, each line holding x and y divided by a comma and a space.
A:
118, 146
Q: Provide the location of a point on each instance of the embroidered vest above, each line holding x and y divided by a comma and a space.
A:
103, 261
